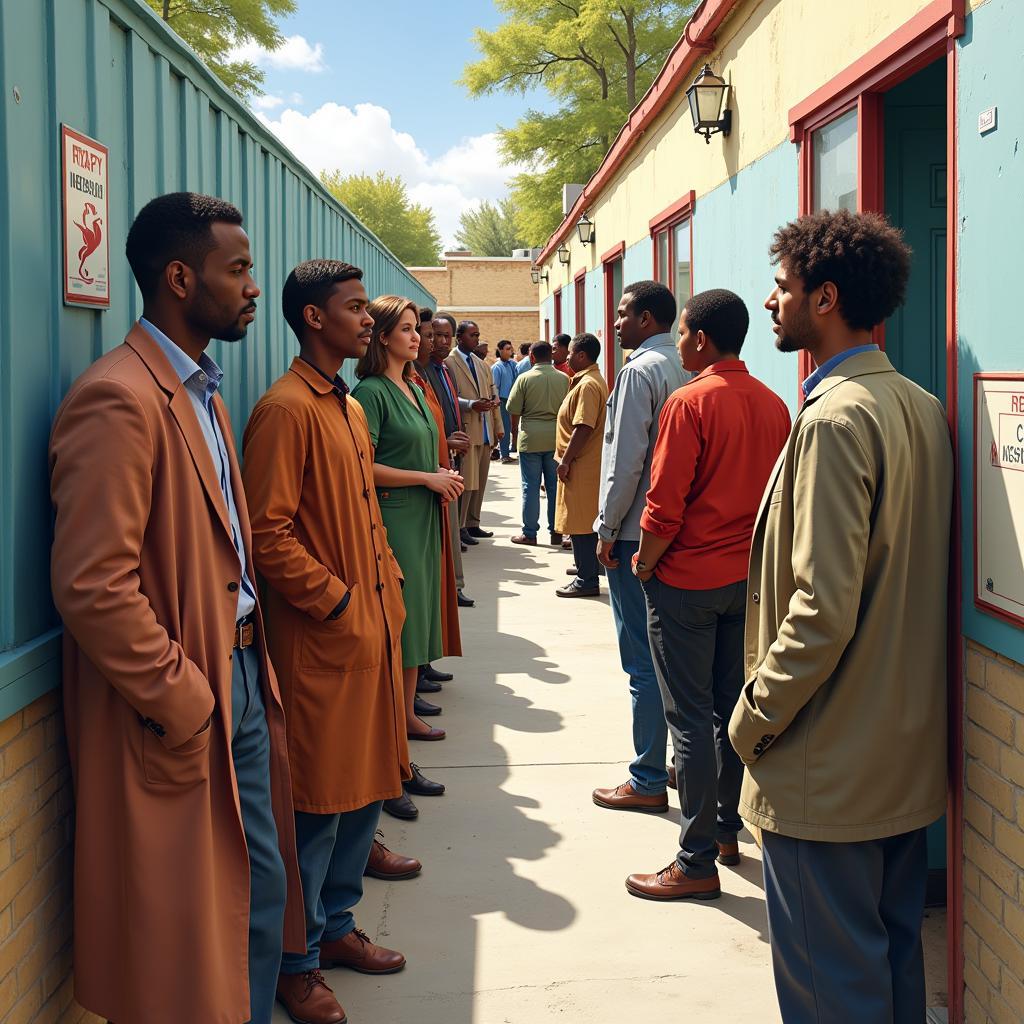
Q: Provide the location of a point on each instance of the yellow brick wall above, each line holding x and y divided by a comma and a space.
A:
994, 839
469, 282
35, 869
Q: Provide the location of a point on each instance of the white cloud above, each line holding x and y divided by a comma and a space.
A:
294, 54
267, 102
362, 140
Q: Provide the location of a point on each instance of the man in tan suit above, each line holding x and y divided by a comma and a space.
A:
185, 842
334, 625
842, 720
482, 421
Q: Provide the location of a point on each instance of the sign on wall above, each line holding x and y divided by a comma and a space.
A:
86, 246
999, 494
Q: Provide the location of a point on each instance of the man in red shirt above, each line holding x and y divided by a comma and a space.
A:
560, 354
719, 438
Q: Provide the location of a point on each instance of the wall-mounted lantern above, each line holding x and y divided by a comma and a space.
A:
537, 275
585, 228
706, 97
563, 253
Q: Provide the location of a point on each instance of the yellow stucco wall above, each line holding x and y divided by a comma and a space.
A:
775, 53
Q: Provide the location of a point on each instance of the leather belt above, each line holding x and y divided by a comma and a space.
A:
245, 634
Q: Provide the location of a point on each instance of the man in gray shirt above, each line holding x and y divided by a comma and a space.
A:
644, 321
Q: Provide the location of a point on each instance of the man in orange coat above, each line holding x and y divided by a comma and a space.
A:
185, 843
334, 623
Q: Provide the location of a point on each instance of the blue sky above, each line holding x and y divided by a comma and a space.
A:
376, 90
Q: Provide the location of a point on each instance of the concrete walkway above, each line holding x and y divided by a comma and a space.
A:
521, 915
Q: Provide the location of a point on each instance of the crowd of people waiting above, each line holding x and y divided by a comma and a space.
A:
247, 645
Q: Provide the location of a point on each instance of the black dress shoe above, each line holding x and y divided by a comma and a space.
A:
468, 538
431, 673
465, 602
402, 807
424, 685
421, 785
475, 531
424, 707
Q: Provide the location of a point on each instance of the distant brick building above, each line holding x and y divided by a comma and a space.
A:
495, 291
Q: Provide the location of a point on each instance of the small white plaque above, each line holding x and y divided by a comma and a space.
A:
986, 120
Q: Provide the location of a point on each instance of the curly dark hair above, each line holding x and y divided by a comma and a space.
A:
861, 253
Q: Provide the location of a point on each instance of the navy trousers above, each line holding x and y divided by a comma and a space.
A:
250, 750
333, 851
845, 924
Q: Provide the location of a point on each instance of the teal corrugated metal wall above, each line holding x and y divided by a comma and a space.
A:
110, 69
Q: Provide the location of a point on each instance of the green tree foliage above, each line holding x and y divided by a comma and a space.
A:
213, 27
382, 204
596, 59
490, 230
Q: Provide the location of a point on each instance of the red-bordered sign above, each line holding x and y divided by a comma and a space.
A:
84, 189
999, 495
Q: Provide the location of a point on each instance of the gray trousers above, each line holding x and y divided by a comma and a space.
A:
845, 926
453, 526
697, 645
250, 751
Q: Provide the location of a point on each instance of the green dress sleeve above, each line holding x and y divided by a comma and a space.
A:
372, 398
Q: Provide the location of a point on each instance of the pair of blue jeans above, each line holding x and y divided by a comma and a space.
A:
506, 419
533, 466
250, 752
650, 730
333, 851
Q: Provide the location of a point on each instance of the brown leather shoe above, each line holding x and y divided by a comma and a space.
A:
392, 867
523, 539
626, 798
728, 854
309, 999
672, 777
671, 884
356, 951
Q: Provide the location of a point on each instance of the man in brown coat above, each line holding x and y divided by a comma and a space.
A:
334, 623
184, 844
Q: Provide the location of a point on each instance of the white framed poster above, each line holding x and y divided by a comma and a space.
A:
84, 190
999, 495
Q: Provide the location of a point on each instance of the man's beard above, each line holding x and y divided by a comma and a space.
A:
800, 334
213, 318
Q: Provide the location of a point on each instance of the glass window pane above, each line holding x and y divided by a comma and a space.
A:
681, 248
664, 274
834, 149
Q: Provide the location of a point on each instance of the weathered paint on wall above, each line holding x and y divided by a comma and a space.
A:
991, 218
732, 229
111, 69
752, 47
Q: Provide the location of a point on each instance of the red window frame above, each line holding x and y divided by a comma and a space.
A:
558, 312
579, 285
926, 37
609, 259
667, 221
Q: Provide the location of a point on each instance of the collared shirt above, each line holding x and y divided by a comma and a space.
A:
564, 368
719, 438
504, 375
830, 364
468, 357
650, 375
536, 398
202, 380
341, 389
447, 395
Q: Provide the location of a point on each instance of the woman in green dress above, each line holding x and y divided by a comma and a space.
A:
409, 482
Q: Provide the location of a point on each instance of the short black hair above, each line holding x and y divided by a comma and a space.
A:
541, 351
524, 348
589, 344
464, 326
721, 315
861, 253
426, 313
501, 344
174, 227
449, 318
654, 298
310, 284
562, 339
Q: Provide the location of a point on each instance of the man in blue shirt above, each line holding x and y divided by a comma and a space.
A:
504, 374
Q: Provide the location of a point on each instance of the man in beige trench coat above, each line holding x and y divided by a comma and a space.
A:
184, 841
842, 719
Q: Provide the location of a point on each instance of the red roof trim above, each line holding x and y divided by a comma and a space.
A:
697, 40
